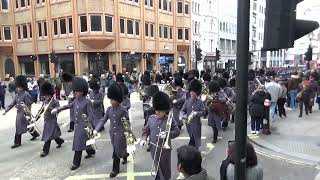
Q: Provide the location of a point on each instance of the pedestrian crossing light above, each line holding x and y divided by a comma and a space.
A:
198, 54
217, 54
281, 26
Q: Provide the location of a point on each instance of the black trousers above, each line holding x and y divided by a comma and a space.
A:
116, 162
46, 146
78, 154
192, 142
215, 132
282, 110
306, 107
17, 137
2, 102
71, 125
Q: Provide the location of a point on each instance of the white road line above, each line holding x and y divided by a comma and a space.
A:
187, 138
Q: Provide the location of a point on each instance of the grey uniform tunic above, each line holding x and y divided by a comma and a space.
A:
80, 105
194, 128
97, 106
126, 103
51, 128
117, 136
21, 121
180, 97
152, 129
213, 118
71, 110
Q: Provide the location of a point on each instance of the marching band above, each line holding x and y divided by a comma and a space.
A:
165, 113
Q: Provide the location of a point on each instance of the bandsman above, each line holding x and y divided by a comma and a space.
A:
67, 79
178, 100
96, 98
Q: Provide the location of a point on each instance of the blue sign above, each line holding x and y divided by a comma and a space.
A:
162, 60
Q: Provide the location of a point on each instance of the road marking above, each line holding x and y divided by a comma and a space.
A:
187, 138
253, 136
130, 168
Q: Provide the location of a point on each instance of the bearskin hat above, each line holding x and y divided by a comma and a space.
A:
195, 86
194, 73
226, 75
152, 90
47, 88
94, 84
206, 77
115, 92
120, 78
67, 77
178, 81
146, 73
214, 86
161, 102
222, 82
233, 82
185, 76
80, 85
251, 75
125, 89
21, 81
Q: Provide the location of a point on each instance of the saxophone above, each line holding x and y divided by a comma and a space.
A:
130, 137
190, 117
92, 137
169, 89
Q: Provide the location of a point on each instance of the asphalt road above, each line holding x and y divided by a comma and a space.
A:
25, 163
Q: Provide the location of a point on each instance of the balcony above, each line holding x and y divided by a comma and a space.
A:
97, 41
6, 47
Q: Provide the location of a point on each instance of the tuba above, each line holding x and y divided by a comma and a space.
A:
164, 145
92, 137
130, 137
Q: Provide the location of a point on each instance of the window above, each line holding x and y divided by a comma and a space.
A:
146, 29
170, 6
63, 28
130, 26
186, 8
160, 31
96, 23
19, 31
70, 25
83, 24
137, 28
23, 3
24, 31
17, 3
160, 4
186, 34
7, 33
146, 2
28, 2
165, 32
180, 36
151, 30
180, 7
30, 30
4, 4
165, 5
254, 6
122, 26
170, 35
39, 29
55, 27
151, 3
108, 23
45, 28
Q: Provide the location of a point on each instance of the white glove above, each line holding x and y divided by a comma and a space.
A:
142, 142
174, 101
131, 149
92, 101
163, 135
54, 111
95, 133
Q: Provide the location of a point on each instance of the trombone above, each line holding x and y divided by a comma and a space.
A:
164, 145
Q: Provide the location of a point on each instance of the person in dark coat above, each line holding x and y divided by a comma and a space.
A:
81, 106
96, 98
147, 102
214, 117
178, 100
118, 140
40, 80
22, 123
156, 128
3, 87
257, 110
67, 79
51, 129
195, 106
126, 100
230, 95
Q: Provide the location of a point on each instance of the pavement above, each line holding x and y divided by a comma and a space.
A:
25, 163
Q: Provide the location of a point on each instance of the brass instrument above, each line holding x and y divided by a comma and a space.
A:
92, 137
42, 110
164, 144
141, 93
131, 139
71, 95
147, 105
169, 89
29, 117
190, 117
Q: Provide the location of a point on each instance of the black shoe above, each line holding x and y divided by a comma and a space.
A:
34, 138
43, 154
125, 161
113, 174
101, 129
59, 145
214, 141
74, 167
300, 116
70, 130
148, 149
15, 146
224, 129
89, 156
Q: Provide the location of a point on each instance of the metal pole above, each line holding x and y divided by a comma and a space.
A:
242, 87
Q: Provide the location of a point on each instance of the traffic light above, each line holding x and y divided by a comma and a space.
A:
308, 54
217, 54
33, 57
198, 54
281, 26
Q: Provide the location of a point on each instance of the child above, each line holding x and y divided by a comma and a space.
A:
96, 98
115, 113
178, 100
51, 130
194, 105
81, 105
156, 128
22, 96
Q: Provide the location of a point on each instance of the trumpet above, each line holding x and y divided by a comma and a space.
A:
92, 137
130, 137
42, 110
190, 117
164, 144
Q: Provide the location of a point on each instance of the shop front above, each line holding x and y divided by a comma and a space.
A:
44, 64
98, 62
26, 65
131, 61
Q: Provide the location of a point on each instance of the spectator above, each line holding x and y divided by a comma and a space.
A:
85, 77
103, 81
189, 164
58, 87
254, 170
274, 89
257, 109
314, 88
33, 89
3, 87
282, 100
40, 81
12, 87
304, 95
293, 86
